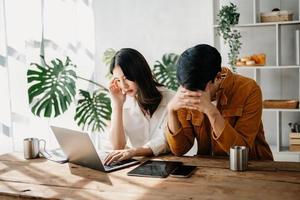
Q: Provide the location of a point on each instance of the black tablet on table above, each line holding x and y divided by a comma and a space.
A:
155, 168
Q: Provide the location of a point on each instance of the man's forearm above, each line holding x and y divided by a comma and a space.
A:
173, 122
216, 120
180, 139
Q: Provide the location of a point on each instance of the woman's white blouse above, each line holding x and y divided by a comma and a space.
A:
141, 130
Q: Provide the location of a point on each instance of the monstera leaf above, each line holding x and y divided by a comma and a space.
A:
165, 71
107, 57
52, 87
92, 111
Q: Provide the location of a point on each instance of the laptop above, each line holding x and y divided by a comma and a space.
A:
79, 149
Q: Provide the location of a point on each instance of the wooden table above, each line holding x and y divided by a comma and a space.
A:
42, 179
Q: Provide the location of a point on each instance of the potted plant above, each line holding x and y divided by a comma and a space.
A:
227, 18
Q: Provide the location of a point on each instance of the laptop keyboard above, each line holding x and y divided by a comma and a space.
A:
103, 155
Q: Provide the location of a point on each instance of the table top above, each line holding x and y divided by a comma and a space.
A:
43, 179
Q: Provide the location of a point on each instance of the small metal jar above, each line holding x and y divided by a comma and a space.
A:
238, 158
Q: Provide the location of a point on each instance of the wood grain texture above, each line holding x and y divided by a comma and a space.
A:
42, 179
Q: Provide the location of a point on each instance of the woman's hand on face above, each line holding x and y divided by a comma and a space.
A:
116, 94
119, 155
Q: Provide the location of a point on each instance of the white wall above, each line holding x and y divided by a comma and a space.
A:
66, 27
152, 27
5, 117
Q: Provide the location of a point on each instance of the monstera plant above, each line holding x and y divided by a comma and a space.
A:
52, 88
165, 71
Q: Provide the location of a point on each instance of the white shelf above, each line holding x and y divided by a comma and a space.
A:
281, 78
281, 109
264, 24
268, 67
285, 150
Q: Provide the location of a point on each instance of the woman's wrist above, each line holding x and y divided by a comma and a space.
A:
117, 106
133, 152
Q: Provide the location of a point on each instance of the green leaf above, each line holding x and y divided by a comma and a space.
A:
107, 57
227, 17
165, 71
51, 88
92, 112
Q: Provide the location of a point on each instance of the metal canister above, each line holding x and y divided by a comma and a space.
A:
31, 148
238, 158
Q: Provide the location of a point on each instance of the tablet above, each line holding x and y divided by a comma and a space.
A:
155, 168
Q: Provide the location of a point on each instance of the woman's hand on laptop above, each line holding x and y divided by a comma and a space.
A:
119, 155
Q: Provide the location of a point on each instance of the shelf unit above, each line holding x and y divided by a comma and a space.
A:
265, 24
279, 79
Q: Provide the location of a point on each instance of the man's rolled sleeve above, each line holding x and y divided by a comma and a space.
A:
181, 141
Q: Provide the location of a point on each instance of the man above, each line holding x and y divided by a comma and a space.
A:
217, 107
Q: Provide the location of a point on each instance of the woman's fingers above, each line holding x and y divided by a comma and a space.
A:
114, 88
124, 156
113, 82
114, 156
113, 159
108, 157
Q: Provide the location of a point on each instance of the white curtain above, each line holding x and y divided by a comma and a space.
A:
56, 28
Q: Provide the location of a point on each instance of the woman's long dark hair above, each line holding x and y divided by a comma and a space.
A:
136, 68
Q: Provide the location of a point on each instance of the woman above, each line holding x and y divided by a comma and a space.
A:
138, 108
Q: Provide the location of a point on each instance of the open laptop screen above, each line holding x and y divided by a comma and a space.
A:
80, 150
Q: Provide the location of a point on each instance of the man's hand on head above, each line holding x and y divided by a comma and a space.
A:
197, 100
177, 101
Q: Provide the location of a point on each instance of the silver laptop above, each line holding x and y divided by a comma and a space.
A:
79, 149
